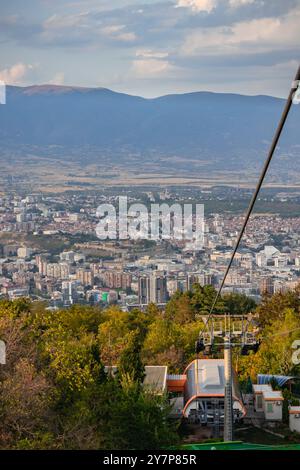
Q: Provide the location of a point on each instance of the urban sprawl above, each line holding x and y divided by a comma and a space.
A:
49, 251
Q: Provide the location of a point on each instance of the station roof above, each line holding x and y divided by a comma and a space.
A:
206, 378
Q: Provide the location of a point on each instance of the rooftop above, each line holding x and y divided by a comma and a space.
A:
259, 388
272, 395
294, 410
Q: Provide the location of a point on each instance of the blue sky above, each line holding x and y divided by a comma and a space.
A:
152, 47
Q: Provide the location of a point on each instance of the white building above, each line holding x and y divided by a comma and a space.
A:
266, 255
268, 401
294, 418
260, 259
258, 395
281, 261
272, 405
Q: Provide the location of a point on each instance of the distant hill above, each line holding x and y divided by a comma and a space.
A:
204, 125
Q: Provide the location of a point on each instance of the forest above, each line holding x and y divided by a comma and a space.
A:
55, 392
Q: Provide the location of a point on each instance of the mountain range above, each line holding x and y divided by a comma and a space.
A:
202, 125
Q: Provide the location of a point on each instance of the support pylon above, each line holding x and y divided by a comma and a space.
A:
228, 405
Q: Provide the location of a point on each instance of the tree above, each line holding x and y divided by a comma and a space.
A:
273, 308
130, 363
14, 308
25, 398
275, 353
129, 417
26, 394
238, 304
203, 298
180, 309
152, 311
190, 333
112, 335
54, 392
73, 363
164, 344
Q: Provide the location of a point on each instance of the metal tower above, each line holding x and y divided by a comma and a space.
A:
228, 404
234, 331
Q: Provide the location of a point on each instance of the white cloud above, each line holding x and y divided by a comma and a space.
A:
83, 26
58, 79
238, 3
112, 29
126, 37
209, 5
148, 53
15, 74
198, 5
151, 68
117, 31
151, 64
56, 22
249, 37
